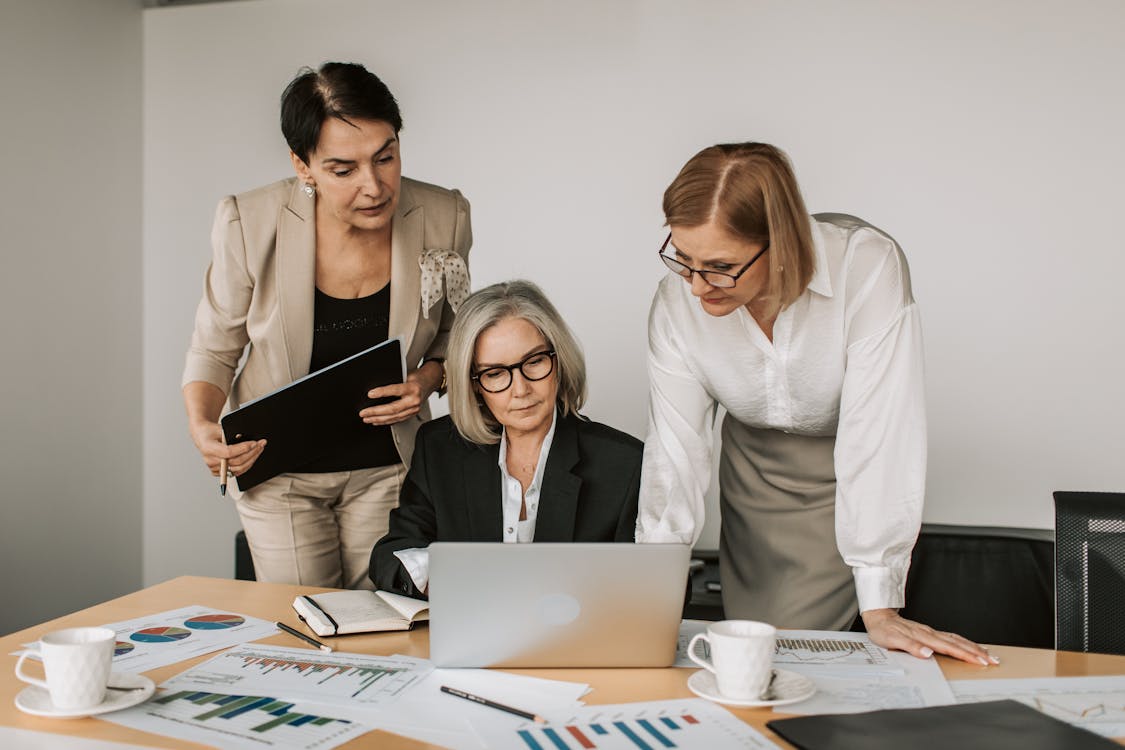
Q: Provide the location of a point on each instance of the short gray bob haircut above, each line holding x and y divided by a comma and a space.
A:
484, 309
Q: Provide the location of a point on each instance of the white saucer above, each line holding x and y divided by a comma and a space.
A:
788, 687
37, 701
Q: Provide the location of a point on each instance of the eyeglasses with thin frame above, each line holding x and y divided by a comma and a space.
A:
534, 366
714, 278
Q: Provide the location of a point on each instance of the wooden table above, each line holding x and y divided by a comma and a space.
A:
273, 602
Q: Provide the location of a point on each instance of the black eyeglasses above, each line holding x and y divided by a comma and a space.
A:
714, 278
535, 366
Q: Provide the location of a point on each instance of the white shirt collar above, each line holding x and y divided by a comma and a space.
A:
544, 450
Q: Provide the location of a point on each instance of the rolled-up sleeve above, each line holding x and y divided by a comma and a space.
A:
220, 335
677, 456
880, 455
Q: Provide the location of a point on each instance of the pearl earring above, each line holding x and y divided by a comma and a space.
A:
310, 190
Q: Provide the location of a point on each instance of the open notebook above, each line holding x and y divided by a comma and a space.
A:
343, 612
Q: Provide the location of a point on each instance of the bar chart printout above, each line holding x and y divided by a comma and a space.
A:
819, 648
355, 680
692, 723
238, 721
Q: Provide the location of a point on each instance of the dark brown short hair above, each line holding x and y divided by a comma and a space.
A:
346, 91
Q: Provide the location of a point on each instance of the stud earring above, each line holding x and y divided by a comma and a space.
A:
310, 190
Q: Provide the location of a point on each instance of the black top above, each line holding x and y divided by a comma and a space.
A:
341, 328
452, 493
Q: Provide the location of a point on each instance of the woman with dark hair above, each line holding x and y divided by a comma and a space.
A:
804, 329
514, 461
304, 273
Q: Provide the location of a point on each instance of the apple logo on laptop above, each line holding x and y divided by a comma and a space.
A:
558, 609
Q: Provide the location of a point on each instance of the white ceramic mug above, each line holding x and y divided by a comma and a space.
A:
741, 657
76, 662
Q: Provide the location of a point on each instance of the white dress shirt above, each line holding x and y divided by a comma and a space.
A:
416, 560
846, 359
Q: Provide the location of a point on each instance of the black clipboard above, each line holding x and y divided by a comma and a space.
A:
314, 415
1005, 723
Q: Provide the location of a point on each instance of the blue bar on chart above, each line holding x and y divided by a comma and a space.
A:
554, 737
638, 734
648, 727
229, 707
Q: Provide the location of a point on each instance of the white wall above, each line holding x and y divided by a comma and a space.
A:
70, 306
985, 137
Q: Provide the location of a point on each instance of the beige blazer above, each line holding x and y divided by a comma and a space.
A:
260, 286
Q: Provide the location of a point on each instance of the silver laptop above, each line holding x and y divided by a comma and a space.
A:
555, 605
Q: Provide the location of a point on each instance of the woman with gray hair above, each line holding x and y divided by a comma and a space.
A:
514, 461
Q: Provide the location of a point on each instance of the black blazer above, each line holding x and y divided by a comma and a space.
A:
452, 493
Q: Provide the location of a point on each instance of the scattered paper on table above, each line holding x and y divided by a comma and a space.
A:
429, 715
25, 739
238, 721
829, 648
687, 723
152, 641
852, 674
1093, 703
339, 679
688, 630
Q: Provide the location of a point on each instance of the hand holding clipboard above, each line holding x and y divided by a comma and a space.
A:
314, 415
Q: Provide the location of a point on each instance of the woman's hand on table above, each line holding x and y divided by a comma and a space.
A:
408, 396
890, 630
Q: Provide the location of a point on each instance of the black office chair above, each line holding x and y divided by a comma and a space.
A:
243, 562
1090, 571
989, 584
705, 600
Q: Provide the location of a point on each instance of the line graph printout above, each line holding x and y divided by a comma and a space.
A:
238, 721
691, 723
343, 679
830, 648
1093, 703
903, 681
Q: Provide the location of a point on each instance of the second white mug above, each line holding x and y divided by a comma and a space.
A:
76, 662
741, 657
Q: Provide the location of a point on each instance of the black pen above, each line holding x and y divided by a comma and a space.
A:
306, 638
492, 704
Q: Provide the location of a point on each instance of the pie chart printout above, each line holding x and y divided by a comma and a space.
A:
160, 635
214, 622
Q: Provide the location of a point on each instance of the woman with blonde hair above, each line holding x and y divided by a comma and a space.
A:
804, 329
514, 461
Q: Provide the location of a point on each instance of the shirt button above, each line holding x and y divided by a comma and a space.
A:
510, 530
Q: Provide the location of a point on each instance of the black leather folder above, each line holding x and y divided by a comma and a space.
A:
964, 726
314, 415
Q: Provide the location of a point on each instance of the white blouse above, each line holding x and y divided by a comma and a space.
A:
416, 560
846, 359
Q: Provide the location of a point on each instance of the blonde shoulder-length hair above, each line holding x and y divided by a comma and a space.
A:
484, 309
749, 189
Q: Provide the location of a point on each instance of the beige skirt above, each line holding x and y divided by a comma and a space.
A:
778, 559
